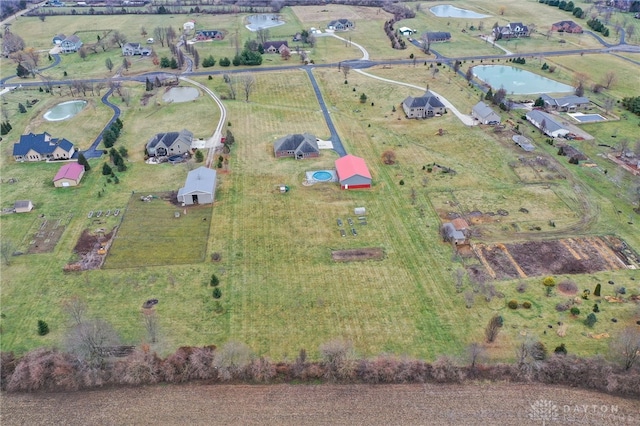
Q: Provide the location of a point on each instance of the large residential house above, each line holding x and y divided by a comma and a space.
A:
209, 35
566, 27
42, 147
70, 44
341, 25
547, 123
132, 49
423, 106
438, 36
570, 103
275, 46
511, 30
298, 146
171, 143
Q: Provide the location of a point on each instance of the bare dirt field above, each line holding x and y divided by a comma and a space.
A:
564, 256
472, 404
373, 253
92, 248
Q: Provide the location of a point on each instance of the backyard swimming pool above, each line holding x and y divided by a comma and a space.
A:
518, 81
448, 11
316, 176
587, 118
64, 110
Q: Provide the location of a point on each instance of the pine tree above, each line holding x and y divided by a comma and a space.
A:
106, 169
21, 71
596, 292
21, 108
149, 85
214, 280
43, 328
82, 160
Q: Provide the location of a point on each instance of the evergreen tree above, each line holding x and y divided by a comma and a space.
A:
106, 169
108, 138
489, 95
596, 292
148, 85
83, 161
21, 71
21, 108
214, 280
173, 64
43, 328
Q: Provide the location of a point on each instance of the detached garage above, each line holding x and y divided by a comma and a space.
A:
69, 174
353, 172
199, 188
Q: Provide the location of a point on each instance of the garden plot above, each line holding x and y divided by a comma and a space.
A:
157, 232
556, 257
44, 234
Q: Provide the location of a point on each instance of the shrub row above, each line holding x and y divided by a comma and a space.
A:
51, 370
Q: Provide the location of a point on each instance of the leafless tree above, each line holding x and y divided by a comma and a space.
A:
6, 251
82, 52
346, 69
469, 75
248, 83
338, 357
389, 157
231, 84
623, 146
125, 95
469, 298
109, 64
99, 86
150, 320
630, 30
170, 34
476, 352
118, 38
609, 78
493, 328
11, 43
263, 35
286, 54
434, 71
608, 104
76, 308
159, 34
426, 42
125, 63
231, 359
89, 339
196, 58
311, 40
33, 55
460, 274
143, 31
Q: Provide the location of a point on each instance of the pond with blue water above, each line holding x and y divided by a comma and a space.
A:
517, 81
64, 110
448, 11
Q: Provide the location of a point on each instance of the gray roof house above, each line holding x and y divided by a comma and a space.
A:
70, 44
484, 114
435, 36
199, 188
275, 46
423, 107
298, 146
569, 103
168, 144
57, 39
547, 123
453, 235
131, 49
341, 25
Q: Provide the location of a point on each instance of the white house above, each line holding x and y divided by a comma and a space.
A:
484, 114
547, 123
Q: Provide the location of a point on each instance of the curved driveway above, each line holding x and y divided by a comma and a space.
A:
92, 152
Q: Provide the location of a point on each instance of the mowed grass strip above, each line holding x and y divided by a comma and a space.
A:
151, 234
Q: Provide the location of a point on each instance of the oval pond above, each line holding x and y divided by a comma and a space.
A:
64, 110
518, 81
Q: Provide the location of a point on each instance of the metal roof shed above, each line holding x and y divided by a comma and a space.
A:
199, 188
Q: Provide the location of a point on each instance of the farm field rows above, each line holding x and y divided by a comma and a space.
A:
281, 290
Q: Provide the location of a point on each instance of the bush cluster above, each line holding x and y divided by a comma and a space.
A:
513, 304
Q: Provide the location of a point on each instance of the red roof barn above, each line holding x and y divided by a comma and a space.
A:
353, 172
69, 174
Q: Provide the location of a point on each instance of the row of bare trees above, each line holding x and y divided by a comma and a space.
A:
87, 366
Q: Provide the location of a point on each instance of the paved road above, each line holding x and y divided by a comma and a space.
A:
92, 152
335, 138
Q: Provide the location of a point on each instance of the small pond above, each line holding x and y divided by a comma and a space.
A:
64, 110
257, 22
448, 11
517, 81
181, 94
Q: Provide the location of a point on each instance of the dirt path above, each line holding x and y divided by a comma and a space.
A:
474, 404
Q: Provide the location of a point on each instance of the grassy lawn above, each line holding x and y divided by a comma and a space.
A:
281, 290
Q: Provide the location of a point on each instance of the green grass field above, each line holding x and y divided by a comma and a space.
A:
281, 290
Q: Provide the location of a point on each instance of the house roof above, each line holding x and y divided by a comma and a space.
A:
566, 24
572, 152
201, 179
428, 100
22, 204
72, 39
132, 45
71, 171
438, 35
341, 21
350, 165
170, 138
42, 144
452, 232
483, 110
299, 143
60, 36
275, 44
565, 100
460, 224
551, 125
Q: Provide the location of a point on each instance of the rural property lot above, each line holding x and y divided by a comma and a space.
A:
473, 404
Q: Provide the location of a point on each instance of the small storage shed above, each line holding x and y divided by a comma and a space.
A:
199, 188
69, 174
22, 206
353, 172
